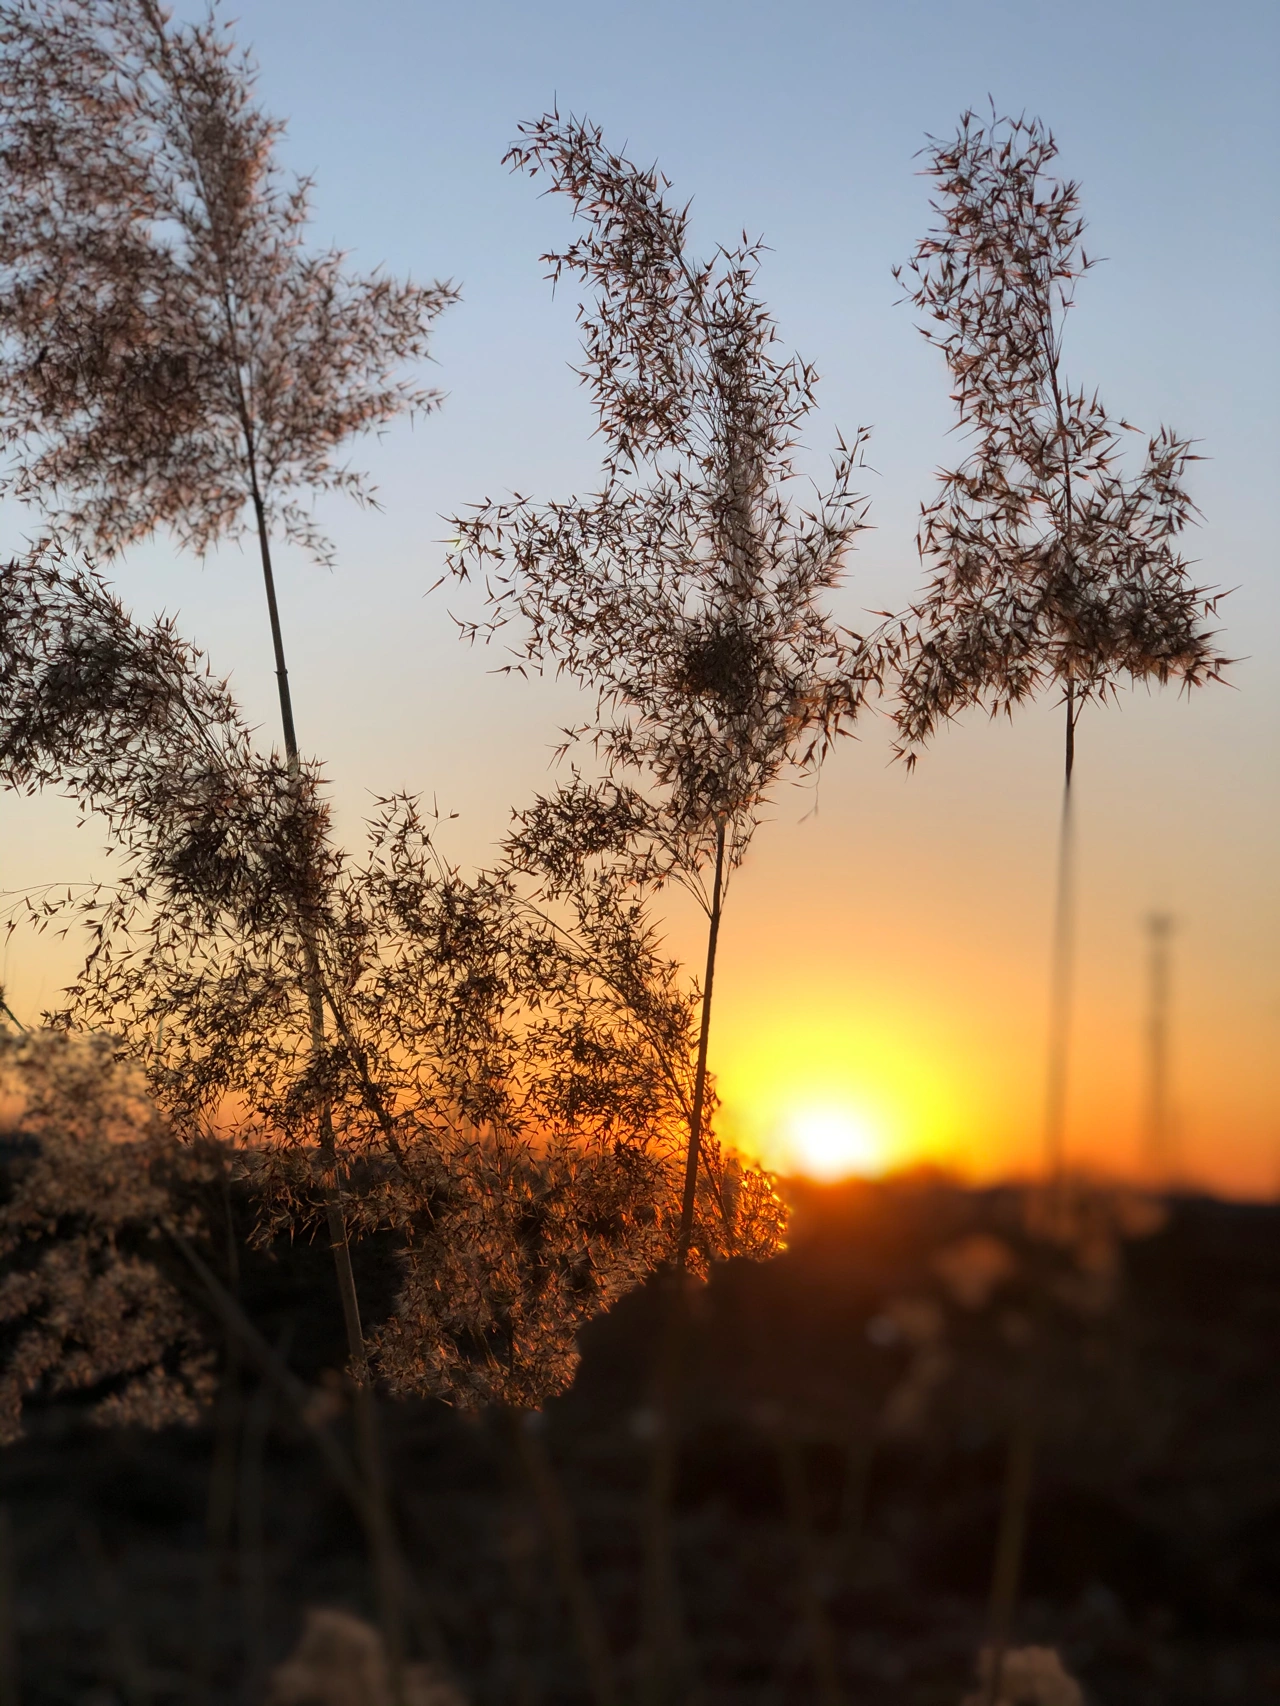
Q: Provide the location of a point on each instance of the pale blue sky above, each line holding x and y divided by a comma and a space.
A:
800, 124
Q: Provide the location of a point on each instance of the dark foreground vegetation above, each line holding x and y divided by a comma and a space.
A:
844, 1423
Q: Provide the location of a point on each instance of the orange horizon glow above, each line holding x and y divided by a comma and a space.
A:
814, 1083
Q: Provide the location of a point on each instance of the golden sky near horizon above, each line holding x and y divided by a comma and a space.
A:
882, 992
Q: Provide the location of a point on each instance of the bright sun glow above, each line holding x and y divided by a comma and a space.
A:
833, 1143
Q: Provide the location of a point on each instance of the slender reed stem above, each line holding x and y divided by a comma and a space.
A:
1158, 1133
253, 1570
1062, 968
822, 1643
277, 637
700, 1078
314, 986
1016, 1499
386, 1572
1007, 1574
10, 1686
665, 1646
588, 1626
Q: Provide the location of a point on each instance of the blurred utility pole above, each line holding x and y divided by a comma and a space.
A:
1158, 1136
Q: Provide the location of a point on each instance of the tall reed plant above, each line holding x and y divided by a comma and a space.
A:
501, 1094
686, 595
1051, 568
503, 1089
173, 354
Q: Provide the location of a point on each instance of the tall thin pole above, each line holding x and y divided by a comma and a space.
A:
1158, 1135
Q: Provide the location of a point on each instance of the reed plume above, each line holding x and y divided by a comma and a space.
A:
687, 593
503, 1091
687, 596
88, 1310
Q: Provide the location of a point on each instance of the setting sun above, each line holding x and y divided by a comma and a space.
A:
832, 1143
812, 1083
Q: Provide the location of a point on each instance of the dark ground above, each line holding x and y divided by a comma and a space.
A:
841, 1460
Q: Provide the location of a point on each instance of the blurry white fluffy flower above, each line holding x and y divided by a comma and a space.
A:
340, 1661
1029, 1676
975, 1267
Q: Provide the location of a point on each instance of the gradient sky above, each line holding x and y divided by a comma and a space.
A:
885, 948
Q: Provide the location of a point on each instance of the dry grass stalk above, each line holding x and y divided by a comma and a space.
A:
575, 1584
686, 594
174, 355
504, 1087
1050, 567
